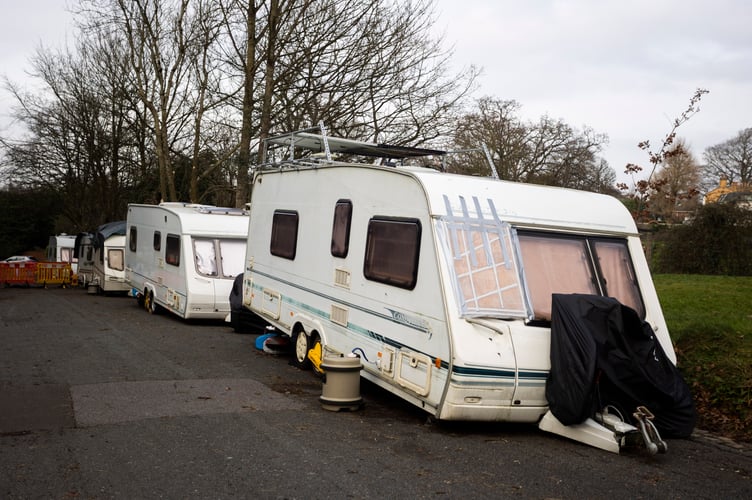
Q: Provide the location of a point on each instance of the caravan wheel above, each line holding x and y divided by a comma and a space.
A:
149, 304
302, 345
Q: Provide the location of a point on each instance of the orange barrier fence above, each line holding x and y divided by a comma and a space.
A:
18, 273
36, 273
54, 273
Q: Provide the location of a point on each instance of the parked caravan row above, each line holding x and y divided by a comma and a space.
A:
184, 257
441, 283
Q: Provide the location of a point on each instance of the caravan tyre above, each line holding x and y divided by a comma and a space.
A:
149, 304
302, 346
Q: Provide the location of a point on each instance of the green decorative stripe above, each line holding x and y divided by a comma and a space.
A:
524, 377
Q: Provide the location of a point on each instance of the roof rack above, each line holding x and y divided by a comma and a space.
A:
322, 143
324, 146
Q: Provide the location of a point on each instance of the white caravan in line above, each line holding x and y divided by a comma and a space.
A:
108, 270
60, 249
441, 283
184, 257
84, 252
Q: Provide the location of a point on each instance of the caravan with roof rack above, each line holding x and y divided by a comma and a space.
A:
442, 284
183, 257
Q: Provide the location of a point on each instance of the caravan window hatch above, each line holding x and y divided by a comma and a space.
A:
481, 252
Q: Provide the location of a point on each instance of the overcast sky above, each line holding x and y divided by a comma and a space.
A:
626, 68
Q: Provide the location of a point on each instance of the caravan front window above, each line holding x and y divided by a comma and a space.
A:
231, 260
484, 270
556, 263
232, 255
115, 259
206, 258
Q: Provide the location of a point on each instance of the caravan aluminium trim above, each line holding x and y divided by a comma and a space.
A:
441, 283
183, 257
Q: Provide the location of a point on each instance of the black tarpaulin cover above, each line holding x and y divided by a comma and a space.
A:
106, 230
602, 353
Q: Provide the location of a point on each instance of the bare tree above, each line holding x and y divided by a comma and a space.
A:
547, 152
158, 35
641, 188
199, 80
365, 68
676, 184
79, 133
731, 160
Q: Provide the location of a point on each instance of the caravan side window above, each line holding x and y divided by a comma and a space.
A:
172, 250
341, 228
284, 239
132, 237
157, 243
393, 251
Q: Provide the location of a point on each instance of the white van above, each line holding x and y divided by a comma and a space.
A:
183, 257
441, 283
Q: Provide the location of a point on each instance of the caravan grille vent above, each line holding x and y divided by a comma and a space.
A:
342, 278
339, 315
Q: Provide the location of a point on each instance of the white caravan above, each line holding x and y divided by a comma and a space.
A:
84, 252
60, 249
183, 257
441, 283
108, 270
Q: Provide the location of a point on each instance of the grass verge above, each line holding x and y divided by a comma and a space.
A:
710, 321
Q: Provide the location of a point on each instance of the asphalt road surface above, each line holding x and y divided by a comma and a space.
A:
99, 399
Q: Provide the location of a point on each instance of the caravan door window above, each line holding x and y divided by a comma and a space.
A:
132, 239
556, 263
341, 228
172, 250
393, 251
157, 241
